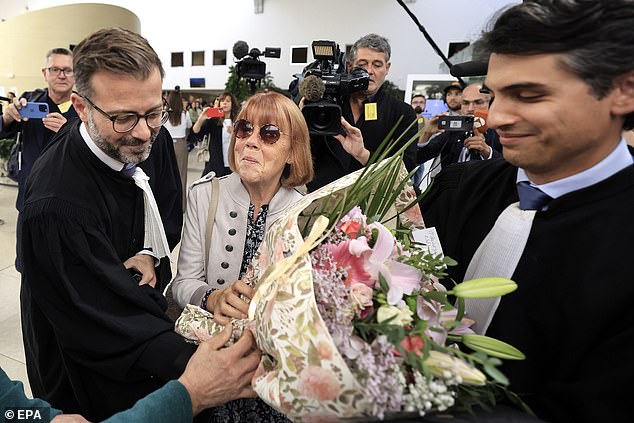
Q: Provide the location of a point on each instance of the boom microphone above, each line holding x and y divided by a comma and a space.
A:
240, 49
312, 88
469, 69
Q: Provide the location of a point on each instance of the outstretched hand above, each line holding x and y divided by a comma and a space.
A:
215, 375
352, 142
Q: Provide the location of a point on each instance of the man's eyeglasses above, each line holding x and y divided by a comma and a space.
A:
54, 70
126, 122
269, 133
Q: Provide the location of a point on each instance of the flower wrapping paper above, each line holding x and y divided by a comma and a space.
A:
301, 373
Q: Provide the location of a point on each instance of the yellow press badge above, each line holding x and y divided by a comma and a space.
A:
63, 107
370, 111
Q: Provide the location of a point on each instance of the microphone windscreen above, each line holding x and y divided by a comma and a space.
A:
469, 69
312, 88
240, 49
480, 120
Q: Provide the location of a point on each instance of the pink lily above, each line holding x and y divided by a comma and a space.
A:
401, 278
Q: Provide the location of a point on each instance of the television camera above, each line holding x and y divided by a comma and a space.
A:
324, 85
249, 66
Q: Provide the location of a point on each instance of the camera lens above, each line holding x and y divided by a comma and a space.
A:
42, 108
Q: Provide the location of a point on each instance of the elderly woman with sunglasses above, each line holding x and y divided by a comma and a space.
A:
269, 155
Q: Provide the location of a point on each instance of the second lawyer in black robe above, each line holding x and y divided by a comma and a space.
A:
571, 312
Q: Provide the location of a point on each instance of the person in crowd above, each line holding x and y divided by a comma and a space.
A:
418, 103
562, 83
194, 110
374, 112
178, 126
460, 146
218, 130
35, 134
96, 335
269, 155
452, 96
200, 386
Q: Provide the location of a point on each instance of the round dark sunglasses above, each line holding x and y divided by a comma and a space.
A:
269, 133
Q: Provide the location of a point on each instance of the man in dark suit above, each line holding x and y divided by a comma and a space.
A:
562, 80
459, 146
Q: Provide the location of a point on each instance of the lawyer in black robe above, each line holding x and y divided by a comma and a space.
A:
102, 341
571, 312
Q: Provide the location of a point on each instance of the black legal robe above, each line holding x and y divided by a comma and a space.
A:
571, 314
95, 341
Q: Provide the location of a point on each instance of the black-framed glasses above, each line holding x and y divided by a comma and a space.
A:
54, 70
269, 133
125, 122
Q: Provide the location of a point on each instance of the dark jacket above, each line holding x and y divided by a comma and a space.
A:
35, 137
332, 161
449, 146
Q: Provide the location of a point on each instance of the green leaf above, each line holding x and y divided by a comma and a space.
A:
313, 355
492, 347
496, 374
484, 288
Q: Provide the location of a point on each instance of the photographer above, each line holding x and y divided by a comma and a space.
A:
372, 114
461, 146
217, 130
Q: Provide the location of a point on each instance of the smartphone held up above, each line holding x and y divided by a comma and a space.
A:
215, 112
34, 110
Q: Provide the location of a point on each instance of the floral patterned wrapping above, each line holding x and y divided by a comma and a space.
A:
301, 373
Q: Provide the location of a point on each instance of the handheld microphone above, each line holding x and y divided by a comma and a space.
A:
469, 69
312, 88
240, 49
480, 127
480, 120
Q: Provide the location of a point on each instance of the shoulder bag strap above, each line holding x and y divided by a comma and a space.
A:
211, 217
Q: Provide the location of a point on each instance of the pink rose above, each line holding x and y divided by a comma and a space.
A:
351, 228
361, 295
319, 383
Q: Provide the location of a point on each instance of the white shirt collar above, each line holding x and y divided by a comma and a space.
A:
112, 163
616, 161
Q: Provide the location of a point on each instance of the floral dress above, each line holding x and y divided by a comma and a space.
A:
248, 410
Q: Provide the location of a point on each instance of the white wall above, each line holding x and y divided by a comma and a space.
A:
210, 24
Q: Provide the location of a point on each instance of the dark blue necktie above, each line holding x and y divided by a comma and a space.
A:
531, 198
128, 169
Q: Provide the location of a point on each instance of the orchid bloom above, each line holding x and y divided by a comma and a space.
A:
401, 278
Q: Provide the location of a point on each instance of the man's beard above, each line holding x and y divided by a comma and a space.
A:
112, 149
455, 108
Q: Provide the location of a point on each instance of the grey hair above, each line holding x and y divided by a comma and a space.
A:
58, 50
371, 41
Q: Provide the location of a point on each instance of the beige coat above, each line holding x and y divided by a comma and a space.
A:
227, 240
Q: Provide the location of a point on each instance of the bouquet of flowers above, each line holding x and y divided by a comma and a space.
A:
349, 313
350, 316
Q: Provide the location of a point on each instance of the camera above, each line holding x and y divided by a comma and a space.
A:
324, 85
456, 123
249, 66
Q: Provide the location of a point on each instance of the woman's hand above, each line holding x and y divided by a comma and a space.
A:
226, 304
353, 142
202, 117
